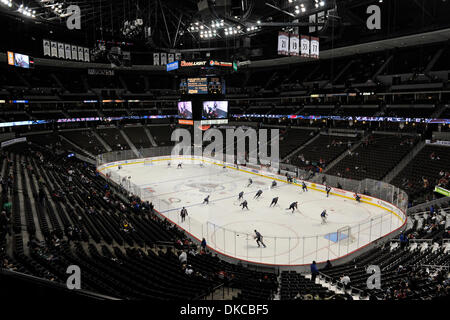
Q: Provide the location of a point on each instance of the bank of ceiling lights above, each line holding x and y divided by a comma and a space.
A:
218, 28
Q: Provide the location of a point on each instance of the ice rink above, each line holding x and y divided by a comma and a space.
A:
292, 238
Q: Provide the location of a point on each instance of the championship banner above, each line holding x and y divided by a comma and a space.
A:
156, 59
87, 57
283, 43
314, 48
170, 58
177, 56
304, 45
46, 46
163, 58
54, 49
68, 51
61, 50
74, 53
294, 48
80, 54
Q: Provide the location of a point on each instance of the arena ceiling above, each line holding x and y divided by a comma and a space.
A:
244, 27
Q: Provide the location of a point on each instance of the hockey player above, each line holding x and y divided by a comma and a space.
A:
250, 182
328, 189
168, 164
180, 166
244, 205
259, 239
206, 200
293, 206
324, 215
289, 179
119, 167
183, 214
357, 197
241, 195
274, 184
304, 187
258, 194
274, 202
201, 165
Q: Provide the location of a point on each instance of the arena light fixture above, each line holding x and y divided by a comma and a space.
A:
7, 3
26, 11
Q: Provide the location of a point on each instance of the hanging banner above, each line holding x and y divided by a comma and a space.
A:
283, 43
74, 53
87, 57
163, 58
156, 59
61, 50
294, 47
177, 56
170, 58
304, 45
46, 45
314, 53
80, 53
54, 49
68, 51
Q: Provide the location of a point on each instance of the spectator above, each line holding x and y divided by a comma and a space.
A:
314, 271
183, 257
403, 240
345, 281
203, 245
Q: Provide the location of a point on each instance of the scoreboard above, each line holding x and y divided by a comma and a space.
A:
197, 86
202, 100
202, 86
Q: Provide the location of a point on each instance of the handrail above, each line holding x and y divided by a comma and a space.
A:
331, 278
203, 295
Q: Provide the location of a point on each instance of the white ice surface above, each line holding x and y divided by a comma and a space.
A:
291, 238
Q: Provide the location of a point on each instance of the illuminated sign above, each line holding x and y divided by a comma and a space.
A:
10, 58
214, 63
188, 122
193, 63
172, 66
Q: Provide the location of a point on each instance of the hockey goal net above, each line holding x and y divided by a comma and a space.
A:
344, 235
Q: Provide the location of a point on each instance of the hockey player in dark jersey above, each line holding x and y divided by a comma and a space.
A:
328, 189
250, 182
274, 202
304, 187
206, 200
244, 205
324, 215
241, 195
183, 214
258, 194
259, 239
293, 206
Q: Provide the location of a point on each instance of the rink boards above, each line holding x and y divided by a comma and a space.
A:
227, 239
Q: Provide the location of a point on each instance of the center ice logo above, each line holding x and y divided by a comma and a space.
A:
257, 141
